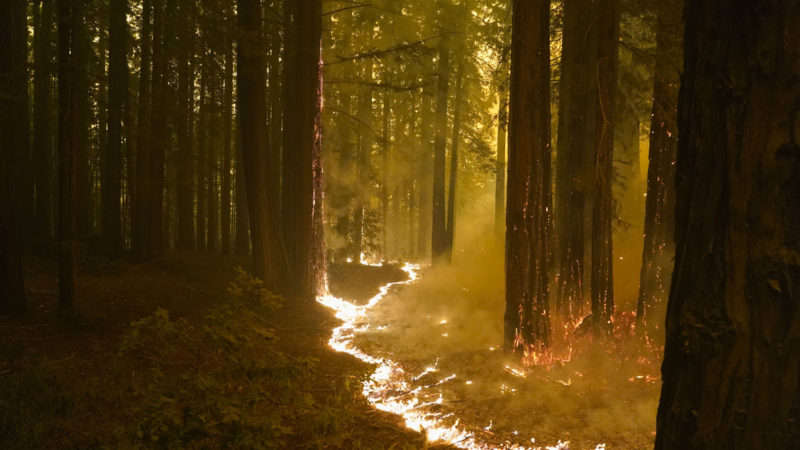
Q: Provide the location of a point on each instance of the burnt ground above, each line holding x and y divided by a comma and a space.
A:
76, 351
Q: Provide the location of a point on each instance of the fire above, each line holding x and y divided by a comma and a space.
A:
389, 387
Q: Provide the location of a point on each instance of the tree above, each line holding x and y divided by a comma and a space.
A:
527, 315
302, 190
730, 370
139, 220
659, 218
185, 156
117, 91
158, 129
268, 258
500, 168
602, 204
42, 124
13, 35
439, 223
70, 62
575, 149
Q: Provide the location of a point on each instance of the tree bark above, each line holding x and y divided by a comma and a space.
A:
158, 131
527, 316
185, 157
12, 24
603, 198
451, 191
659, 217
70, 17
139, 220
268, 257
302, 194
500, 167
576, 109
42, 124
439, 218
731, 370
225, 169
117, 90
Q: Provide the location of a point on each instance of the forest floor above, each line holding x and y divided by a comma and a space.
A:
156, 356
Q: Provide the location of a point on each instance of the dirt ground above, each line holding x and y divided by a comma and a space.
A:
111, 295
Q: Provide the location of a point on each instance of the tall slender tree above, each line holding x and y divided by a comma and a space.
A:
575, 148
527, 315
659, 217
302, 193
139, 213
117, 90
268, 257
185, 154
13, 36
602, 203
42, 123
439, 218
730, 370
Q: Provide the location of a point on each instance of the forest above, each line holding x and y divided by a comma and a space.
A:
400, 224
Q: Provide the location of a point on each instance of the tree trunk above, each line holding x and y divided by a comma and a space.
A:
139, 219
275, 106
425, 174
575, 146
117, 90
12, 25
500, 167
451, 192
731, 370
70, 16
21, 162
242, 243
227, 115
268, 259
42, 127
185, 157
202, 150
212, 168
158, 132
659, 216
603, 199
385, 175
439, 223
302, 193
527, 316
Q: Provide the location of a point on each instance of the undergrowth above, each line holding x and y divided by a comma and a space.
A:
222, 383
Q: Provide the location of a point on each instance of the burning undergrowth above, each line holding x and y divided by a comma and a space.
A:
437, 345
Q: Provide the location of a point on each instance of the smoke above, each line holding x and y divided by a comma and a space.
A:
447, 332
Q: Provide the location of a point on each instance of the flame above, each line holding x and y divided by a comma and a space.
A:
388, 388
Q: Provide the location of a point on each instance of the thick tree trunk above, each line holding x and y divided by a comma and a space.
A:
500, 167
438, 214
659, 226
12, 24
275, 105
731, 370
527, 316
117, 90
576, 110
603, 199
42, 126
139, 213
268, 257
302, 195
